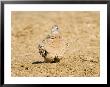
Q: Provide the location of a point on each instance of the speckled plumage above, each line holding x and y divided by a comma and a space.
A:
53, 46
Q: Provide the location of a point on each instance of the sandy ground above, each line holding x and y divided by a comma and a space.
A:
80, 29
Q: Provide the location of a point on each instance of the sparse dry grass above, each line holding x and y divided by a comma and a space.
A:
80, 29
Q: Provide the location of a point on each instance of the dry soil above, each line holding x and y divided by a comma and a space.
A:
81, 30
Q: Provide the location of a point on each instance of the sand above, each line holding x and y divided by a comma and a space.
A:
80, 29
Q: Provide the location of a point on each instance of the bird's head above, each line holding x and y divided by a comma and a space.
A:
55, 29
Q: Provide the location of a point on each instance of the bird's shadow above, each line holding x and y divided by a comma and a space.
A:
38, 62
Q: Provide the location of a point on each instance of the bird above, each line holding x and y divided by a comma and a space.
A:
53, 47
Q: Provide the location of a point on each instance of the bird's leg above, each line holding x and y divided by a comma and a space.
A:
56, 59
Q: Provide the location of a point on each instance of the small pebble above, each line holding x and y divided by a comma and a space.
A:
22, 66
26, 68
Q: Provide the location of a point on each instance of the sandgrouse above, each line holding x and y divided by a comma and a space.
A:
53, 47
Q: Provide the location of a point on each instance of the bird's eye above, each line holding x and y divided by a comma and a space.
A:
56, 27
